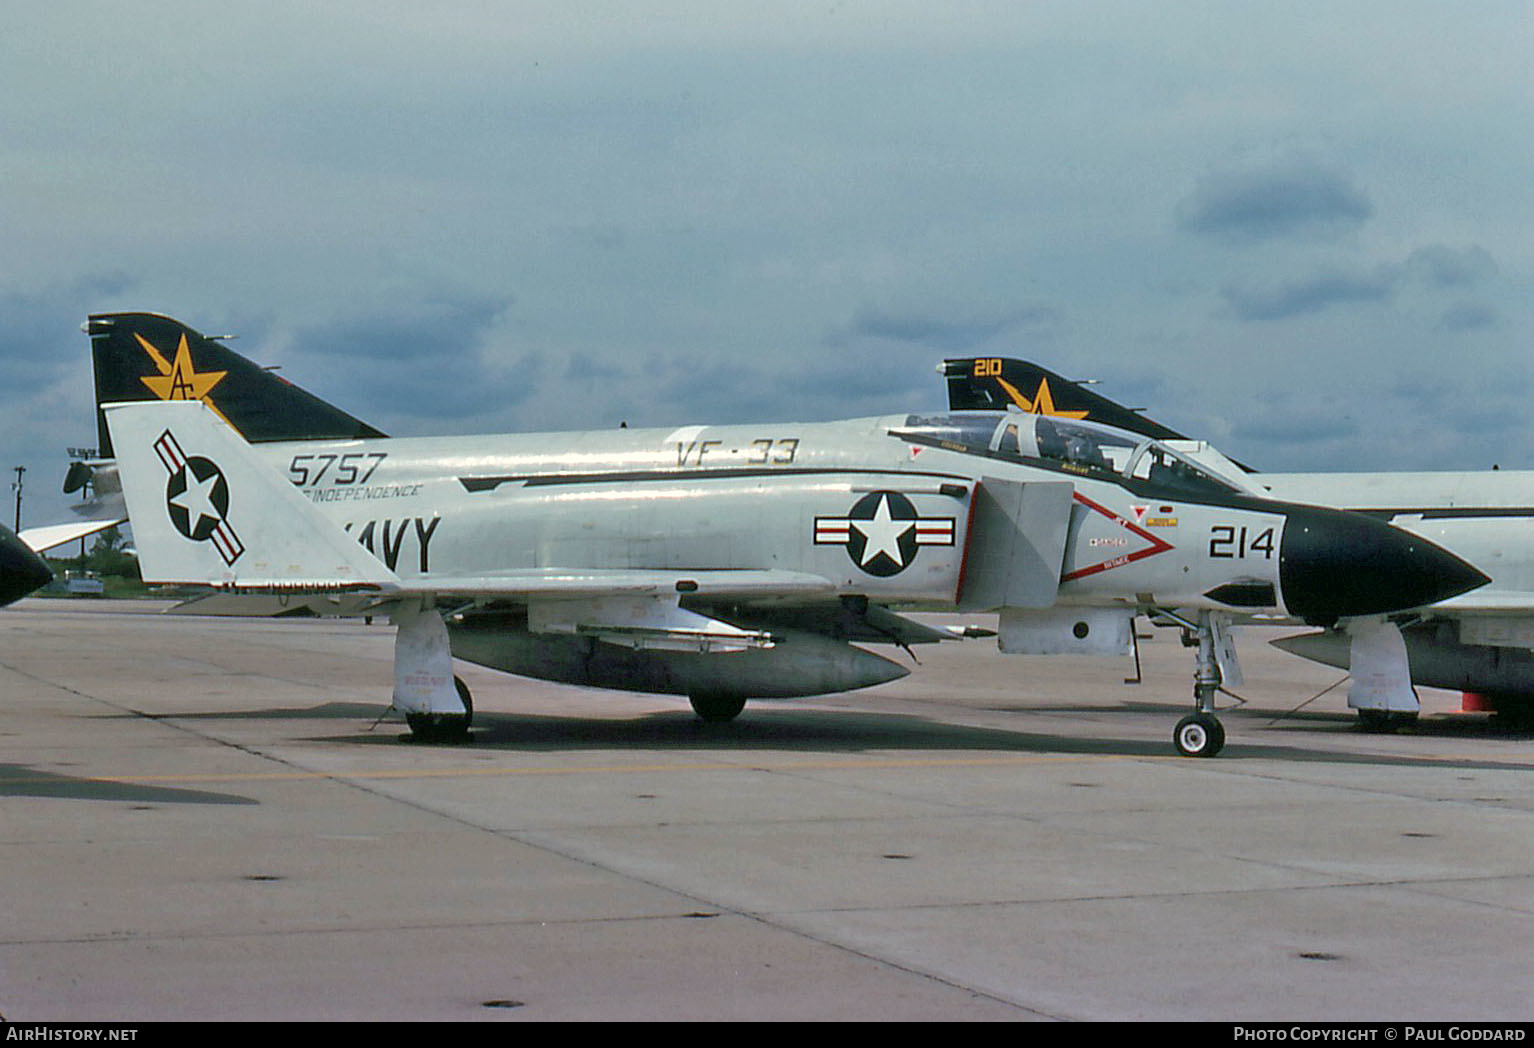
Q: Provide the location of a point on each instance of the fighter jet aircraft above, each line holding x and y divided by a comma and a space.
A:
719, 562
1481, 642
21, 569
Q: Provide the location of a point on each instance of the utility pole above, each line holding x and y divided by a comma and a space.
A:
17, 487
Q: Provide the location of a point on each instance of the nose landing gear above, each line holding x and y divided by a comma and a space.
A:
1200, 734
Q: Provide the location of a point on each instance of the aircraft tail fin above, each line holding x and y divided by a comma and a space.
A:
206, 510
145, 356
1000, 383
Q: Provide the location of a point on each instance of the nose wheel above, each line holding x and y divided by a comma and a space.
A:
1199, 735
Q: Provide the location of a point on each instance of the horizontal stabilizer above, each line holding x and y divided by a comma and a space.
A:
46, 536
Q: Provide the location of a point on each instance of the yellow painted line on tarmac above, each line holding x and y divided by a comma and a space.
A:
868, 764
608, 769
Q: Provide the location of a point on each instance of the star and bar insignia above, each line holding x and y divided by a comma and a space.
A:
197, 498
882, 532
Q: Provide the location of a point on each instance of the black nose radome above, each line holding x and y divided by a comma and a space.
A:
21, 570
1334, 564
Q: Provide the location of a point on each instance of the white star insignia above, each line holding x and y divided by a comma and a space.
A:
197, 500
882, 534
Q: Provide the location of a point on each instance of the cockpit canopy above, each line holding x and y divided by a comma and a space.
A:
1075, 446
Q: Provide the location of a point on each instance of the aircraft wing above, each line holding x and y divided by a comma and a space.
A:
558, 583
512, 587
794, 599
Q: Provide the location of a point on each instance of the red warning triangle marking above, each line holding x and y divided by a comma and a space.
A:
1157, 545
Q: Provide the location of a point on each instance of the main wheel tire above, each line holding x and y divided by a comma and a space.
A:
466, 699
438, 727
1375, 722
717, 708
1198, 735
444, 727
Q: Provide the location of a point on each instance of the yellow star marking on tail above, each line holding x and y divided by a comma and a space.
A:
1043, 402
180, 380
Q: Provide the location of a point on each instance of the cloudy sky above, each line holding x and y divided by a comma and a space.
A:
1303, 230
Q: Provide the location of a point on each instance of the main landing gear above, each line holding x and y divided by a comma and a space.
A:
423, 664
1381, 722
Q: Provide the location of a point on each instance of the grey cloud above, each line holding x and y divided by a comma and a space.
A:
1447, 267
839, 385
870, 377
947, 334
1283, 422
1429, 390
1273, 202
421, 361
1435, 266
40, 339
430, 332
1311, 295
1468, 316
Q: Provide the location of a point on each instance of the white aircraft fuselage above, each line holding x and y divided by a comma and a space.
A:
720, 562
